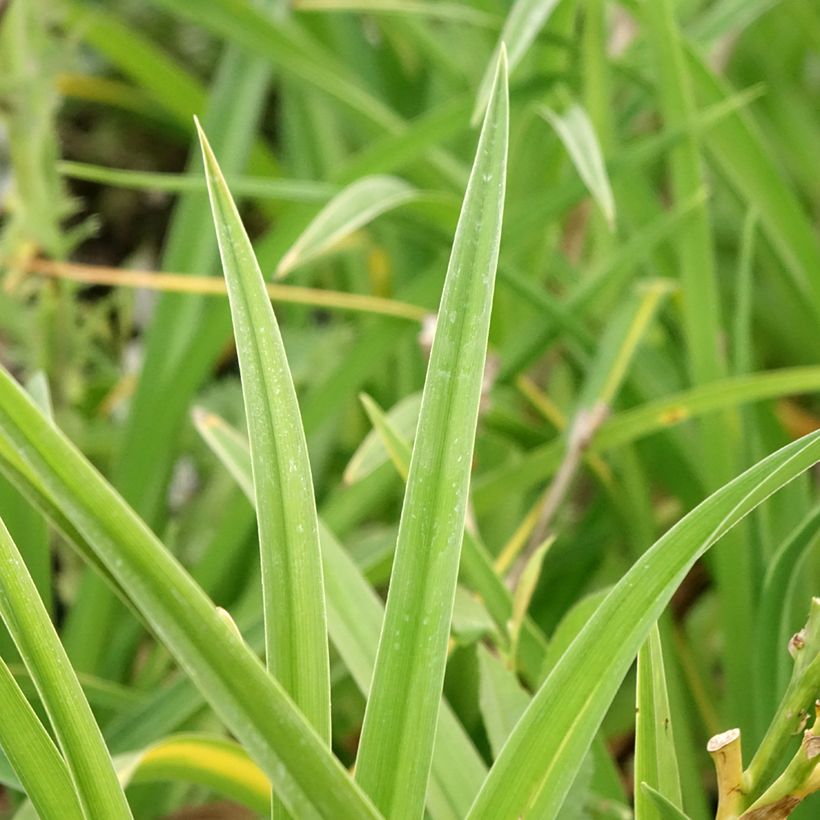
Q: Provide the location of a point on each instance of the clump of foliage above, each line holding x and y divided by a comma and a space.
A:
466, 472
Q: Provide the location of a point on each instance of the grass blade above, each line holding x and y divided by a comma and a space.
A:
252, 704
476, 566
575, 130
396, 745
665, 808
292, 585
287, 190
355, 617
502, 699
655, 760
552, 738
373, 451
33, 755
357, 205
77, 732
525, 19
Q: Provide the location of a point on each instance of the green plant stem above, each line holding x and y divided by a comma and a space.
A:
802, 691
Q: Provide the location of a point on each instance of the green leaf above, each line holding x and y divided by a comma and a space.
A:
76, 730
655, 760
355, 617
663, 806
403, 417
186, 334
33, 755
252, 704
387, 436
578, 135
548, 745
523, 592
476, 566
524, 20
287, 190
292, 585
352, 208
396, 745
502, 699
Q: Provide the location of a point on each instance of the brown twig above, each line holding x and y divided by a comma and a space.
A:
215, 286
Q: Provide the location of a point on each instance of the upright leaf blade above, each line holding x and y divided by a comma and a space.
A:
655, 760
521, 27
253, 705
355, 616
293, 589
33, 755
74, 725
576, 131
396, 745
552, 737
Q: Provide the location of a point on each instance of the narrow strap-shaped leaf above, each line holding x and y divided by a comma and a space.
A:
576, 131
521, 26
33, 755
309, 779
655, 761
357, 205
663, 806
76, 730
293, 590
502, 699
288, 190
552, 737
396, 746
476, 566
355, 616
403, 417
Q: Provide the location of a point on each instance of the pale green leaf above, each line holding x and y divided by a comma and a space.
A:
403, 417
74, 725
352, 208
547, 746
663, 806
396, 744
252, 704
578, 135
287, 190
292, 585
33, 755
521, 26
355, 616
502, 699
655, 759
